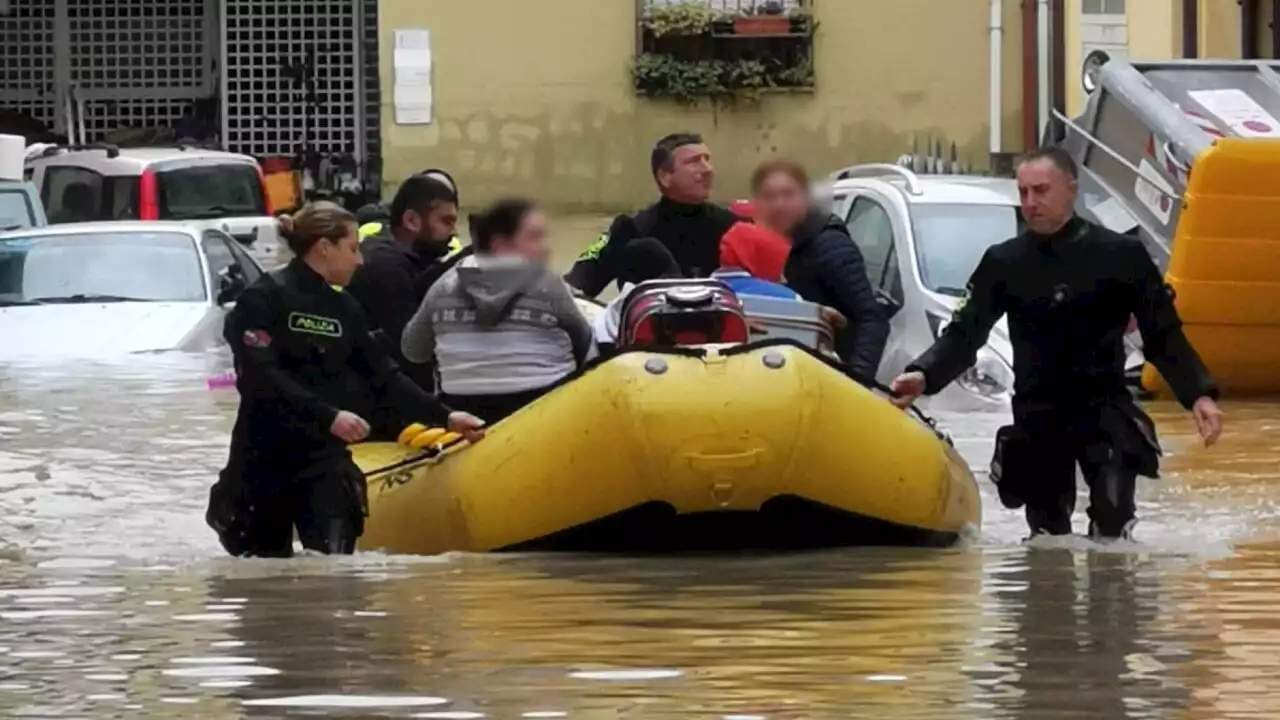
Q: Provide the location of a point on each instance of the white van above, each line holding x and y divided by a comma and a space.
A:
100, 182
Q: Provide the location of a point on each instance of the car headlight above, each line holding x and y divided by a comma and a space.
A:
989, 376
937, 323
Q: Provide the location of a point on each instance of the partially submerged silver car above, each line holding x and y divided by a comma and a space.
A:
921, 236
94, 290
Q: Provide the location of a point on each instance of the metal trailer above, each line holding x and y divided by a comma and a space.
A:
1185, 155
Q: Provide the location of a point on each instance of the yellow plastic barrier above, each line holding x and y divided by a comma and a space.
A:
1225, 266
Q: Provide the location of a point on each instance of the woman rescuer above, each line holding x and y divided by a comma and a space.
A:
307, 371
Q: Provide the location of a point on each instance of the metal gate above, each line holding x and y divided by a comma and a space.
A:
294, 76
143, 63
27, 62
131, 63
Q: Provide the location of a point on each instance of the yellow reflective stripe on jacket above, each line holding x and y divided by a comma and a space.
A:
594, 249
455, 247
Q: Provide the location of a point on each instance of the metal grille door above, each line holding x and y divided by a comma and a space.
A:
140, 63
27, 61
268, 44
133, 63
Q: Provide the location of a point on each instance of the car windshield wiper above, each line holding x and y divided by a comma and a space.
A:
14, 302
7, 228
85, 298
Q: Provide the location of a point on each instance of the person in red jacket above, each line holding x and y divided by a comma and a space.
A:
756, 249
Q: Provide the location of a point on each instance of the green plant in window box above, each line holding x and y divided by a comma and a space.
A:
802, 22
684, 18
693, 81
795, 76
663, 76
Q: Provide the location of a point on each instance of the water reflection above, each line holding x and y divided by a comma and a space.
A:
1080, 636
971, 634
312, 627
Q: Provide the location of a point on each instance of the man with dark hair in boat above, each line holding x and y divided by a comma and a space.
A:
1069, 288
375, 217
501, 328
401, 262
684, 220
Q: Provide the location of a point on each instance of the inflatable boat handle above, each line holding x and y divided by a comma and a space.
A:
705, 462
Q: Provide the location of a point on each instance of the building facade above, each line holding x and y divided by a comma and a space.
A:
537, 98
1152, 30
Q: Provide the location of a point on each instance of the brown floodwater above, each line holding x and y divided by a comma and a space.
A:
116, 602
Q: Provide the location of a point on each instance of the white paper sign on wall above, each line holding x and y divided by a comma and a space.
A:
412, 92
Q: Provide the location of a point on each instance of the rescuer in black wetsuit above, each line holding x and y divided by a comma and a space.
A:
1069, 289
307, 371
683, 220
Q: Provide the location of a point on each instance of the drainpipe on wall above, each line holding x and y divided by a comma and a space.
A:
995, 111
1190, 29
1043, 63
1249, 29
1059, 54
1030, 138
1275, 29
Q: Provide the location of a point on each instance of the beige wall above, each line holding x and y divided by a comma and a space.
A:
1155, 29
1219, 29
535, 97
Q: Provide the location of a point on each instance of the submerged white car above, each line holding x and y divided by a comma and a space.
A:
96, 290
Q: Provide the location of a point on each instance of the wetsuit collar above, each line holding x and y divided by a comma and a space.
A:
669, 207
305, 275
1069, 231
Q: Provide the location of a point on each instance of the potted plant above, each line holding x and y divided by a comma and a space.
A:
762, 25
801, 22
680, 19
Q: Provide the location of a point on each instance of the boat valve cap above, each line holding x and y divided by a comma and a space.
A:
655, 365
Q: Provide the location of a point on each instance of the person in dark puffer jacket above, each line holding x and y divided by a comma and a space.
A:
824, 265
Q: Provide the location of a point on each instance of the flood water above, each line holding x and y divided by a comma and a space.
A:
115, 600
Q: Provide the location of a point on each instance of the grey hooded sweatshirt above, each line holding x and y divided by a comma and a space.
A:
497, 325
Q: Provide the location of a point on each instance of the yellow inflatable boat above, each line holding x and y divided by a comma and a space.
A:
760, 445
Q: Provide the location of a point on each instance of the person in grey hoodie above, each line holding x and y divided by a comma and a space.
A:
500, 326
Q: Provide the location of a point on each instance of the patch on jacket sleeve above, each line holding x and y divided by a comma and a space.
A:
594, 249
964, 300
256, 339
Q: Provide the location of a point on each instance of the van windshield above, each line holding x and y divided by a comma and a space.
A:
951, 238
15, 210
210, 191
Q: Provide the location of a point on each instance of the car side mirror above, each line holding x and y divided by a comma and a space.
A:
230, 285
887, 303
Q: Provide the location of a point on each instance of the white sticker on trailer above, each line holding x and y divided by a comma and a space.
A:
1239, 111
1154, 191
